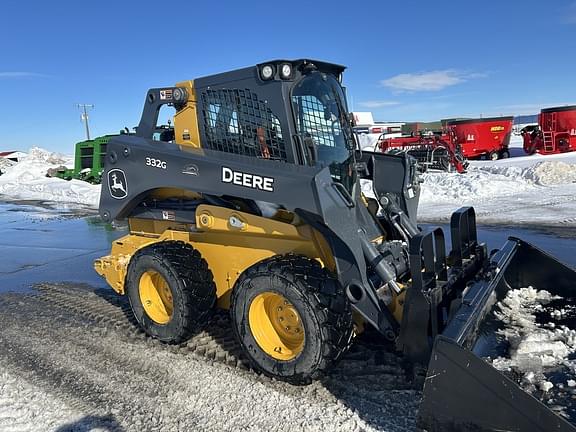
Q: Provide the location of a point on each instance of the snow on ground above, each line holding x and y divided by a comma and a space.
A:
105, 373
27, 180
536, 190
530, 190
24, 406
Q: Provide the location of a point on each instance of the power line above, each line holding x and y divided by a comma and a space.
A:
84, 116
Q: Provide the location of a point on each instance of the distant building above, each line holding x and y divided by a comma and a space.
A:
14, 156
364, 124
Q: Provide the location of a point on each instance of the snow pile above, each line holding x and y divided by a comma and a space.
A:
543, 193
496, 180
41, 155
476, 185
27, 180
534, 348
535, 190
552, 173
548, 173
4, 164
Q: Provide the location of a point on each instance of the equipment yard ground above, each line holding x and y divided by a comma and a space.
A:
72, 359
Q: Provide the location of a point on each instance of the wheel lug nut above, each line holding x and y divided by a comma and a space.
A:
279, 309
287, 328
281, 319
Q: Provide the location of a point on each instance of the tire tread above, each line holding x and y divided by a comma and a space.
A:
325, 295
193, 272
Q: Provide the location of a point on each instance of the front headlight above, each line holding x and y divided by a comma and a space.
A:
286, 71
267, 72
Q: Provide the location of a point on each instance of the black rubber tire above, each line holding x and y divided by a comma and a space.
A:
191, 284
320, 301
504, 154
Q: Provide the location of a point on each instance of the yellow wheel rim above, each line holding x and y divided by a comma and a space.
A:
276, 326
156, 297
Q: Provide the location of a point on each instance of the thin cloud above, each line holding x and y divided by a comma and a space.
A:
378, 104
8, 75
428, 81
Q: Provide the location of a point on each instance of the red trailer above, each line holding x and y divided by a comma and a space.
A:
483, 137
555, 133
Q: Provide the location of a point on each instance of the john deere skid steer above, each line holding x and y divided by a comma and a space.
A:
255, 206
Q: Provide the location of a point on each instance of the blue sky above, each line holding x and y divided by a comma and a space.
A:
409, 60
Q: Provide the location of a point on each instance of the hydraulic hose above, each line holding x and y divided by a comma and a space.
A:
378, 263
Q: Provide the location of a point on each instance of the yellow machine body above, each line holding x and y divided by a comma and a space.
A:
186, 131
229, 240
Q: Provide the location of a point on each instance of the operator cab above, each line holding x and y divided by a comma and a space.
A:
290, 111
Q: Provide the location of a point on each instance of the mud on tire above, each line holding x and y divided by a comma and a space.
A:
318, 299
191, 289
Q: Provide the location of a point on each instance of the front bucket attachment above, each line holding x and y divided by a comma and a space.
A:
462, 390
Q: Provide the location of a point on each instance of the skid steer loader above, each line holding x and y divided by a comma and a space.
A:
255, 206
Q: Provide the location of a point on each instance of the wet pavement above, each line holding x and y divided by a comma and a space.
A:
41, 243
559, 242
45, 243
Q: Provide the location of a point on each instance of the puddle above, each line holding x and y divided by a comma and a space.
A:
45, 243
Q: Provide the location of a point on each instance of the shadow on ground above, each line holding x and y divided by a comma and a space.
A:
89, 423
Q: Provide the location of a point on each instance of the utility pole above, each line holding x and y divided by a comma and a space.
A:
84, 116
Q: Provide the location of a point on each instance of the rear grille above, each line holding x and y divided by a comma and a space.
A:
236, 121
86, 157
103, 154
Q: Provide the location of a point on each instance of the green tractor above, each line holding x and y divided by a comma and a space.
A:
90, 154
88, 161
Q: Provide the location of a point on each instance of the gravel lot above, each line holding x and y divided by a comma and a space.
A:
72, 360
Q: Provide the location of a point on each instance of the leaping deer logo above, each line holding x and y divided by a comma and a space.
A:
117, 184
